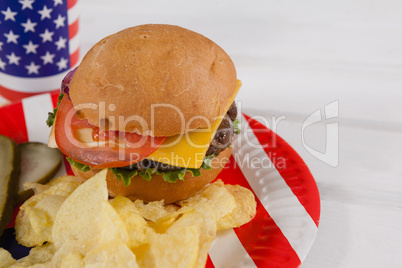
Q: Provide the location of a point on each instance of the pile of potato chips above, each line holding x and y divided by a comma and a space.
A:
70, 224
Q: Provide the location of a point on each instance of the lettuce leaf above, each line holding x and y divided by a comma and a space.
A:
206, 164
124, 175
236, 126
52, 116
79, 166
172, 176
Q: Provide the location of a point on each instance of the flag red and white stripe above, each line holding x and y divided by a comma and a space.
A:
288, 205
73, 29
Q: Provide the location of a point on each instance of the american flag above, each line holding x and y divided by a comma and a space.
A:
38, 45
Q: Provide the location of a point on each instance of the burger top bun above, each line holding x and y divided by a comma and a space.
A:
182, 76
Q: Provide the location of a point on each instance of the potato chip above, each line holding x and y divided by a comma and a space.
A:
72, 251
162, 224
80, 215
93, 253
5, 258
217, 196
221, 201
244, 211
171, 208
36, 216
43, 253
203, 216
72, 260
171, 250
112, 226
65, 178
63, 188
25, 234
43, 214
165, 222
151, 211
87, 215
36, 187
114, 253
85, 229
38, 255
135, 224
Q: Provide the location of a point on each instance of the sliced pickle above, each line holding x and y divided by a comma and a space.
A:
39, 163
9, 173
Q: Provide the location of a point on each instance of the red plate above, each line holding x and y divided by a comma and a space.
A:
288, 203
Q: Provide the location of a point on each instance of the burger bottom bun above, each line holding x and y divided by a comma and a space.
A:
157, 188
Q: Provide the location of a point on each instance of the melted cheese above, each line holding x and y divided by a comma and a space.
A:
188, 150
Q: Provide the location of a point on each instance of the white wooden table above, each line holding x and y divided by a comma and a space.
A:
294, 58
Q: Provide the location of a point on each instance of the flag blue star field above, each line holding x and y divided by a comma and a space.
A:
38, 45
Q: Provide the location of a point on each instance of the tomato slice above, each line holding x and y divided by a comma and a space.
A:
89, 145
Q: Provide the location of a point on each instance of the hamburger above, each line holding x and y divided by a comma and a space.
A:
155, 105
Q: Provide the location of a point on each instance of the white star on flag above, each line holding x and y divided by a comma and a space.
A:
32, 68
59, 21
47, 58
1, 46
62, 64
45, 13
2, 65
56, 2
61, 43
30, 47
29, 26
9, 14
11, 37
26, 4
13, 59
47, 36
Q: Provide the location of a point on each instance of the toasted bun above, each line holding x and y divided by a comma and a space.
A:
157, 188
151, 65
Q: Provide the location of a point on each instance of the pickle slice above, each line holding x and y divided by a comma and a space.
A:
39, 163
9, 173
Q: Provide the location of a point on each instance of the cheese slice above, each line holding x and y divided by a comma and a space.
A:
188, 150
